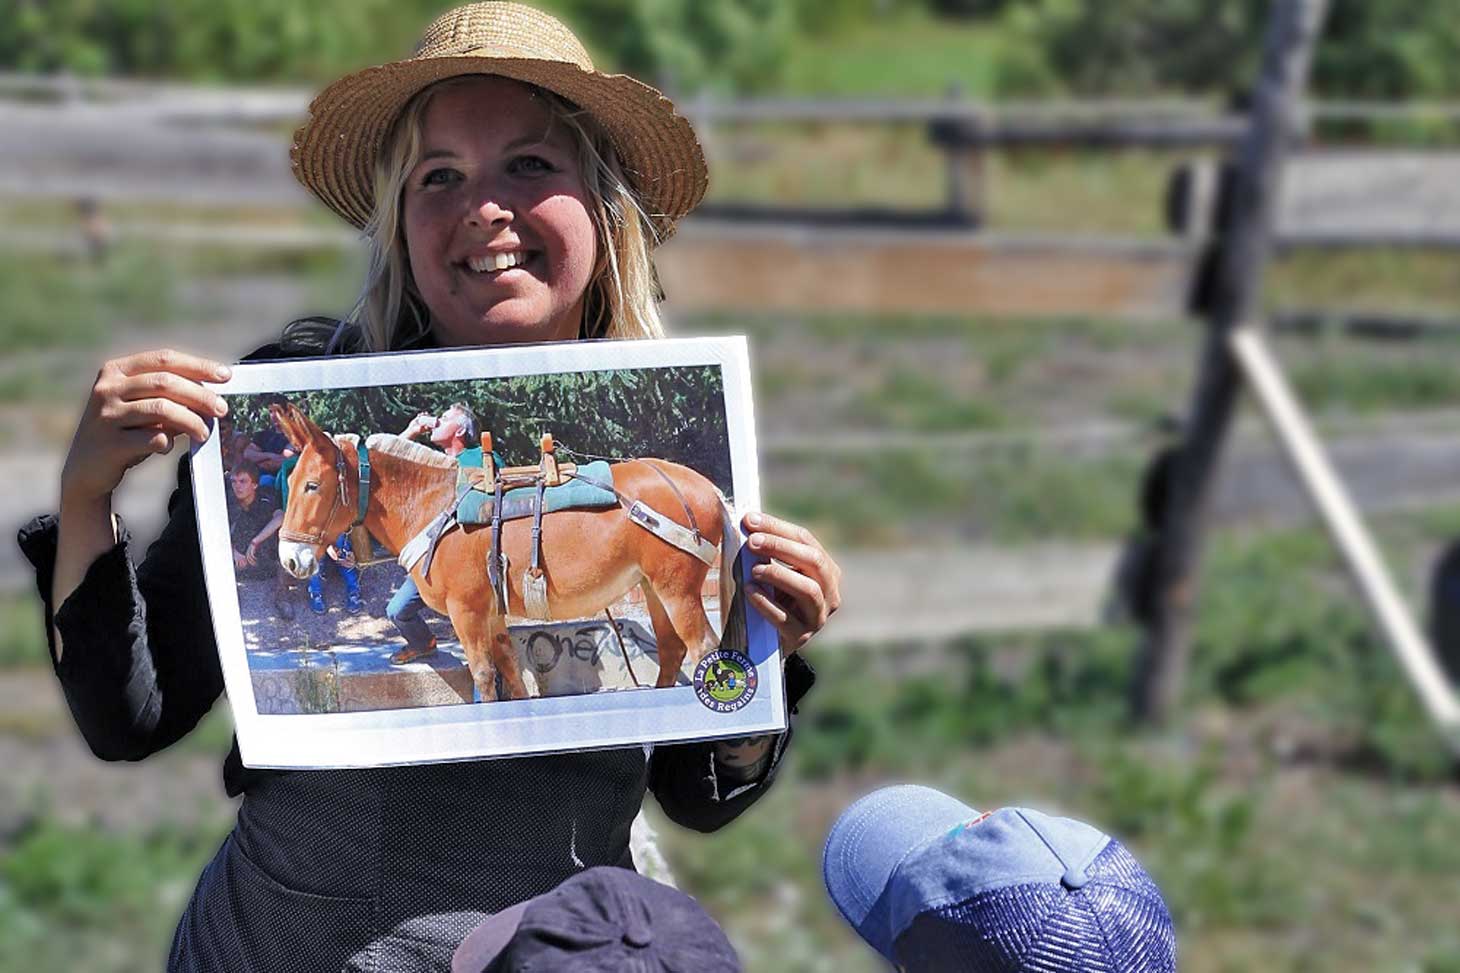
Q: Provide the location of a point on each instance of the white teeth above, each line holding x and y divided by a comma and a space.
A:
497, 261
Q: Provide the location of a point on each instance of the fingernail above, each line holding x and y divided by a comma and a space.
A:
757, 540
221, 407
752, 520
223, 372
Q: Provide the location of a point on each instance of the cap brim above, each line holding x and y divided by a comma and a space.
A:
486, 942
874, 836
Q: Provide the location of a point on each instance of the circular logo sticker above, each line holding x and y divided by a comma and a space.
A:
725, 681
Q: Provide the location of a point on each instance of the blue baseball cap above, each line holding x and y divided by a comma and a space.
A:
933, 884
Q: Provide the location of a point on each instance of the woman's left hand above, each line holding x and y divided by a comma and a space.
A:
799, 588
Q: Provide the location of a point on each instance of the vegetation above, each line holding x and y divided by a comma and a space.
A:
1261, 815
1019, 47
117, 896
22, 631
50, 302
676, 414
1300, 814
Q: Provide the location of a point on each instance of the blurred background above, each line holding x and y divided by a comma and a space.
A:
962, 236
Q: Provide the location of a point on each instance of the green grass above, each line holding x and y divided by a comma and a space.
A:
830, 165
1371, 380
1393, 279
908, 54
895, 166
75, 897
1299, 815
1320, 854
52, 302
1010, 495
22, 631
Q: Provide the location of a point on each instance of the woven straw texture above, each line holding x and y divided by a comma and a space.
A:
334, 151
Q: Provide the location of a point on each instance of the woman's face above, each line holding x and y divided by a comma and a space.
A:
498, 184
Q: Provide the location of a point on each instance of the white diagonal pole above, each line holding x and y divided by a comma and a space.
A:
1342, 519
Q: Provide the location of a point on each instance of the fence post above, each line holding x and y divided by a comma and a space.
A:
1242, 247
966, 176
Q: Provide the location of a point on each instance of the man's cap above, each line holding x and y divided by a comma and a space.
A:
932, 884
602, 919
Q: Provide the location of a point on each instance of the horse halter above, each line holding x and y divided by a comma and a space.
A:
318, 537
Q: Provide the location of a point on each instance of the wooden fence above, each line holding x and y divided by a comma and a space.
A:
130, 142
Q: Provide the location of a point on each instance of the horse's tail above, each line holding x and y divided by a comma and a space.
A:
732, 613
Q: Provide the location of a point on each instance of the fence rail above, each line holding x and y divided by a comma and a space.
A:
286, 104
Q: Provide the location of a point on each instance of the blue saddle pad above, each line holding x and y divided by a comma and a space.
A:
475, 506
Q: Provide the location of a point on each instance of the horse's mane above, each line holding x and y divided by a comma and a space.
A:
347, 438
393, 445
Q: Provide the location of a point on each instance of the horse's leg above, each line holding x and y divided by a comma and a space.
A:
474, 627
684, 613
667, 643
505, 654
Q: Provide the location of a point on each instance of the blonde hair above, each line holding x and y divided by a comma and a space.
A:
622, 297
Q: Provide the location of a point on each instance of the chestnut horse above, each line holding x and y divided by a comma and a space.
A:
591, 558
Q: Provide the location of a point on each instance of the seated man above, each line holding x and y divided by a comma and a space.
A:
254, 520
342, 556
269, 448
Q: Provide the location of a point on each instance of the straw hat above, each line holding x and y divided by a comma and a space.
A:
334, 152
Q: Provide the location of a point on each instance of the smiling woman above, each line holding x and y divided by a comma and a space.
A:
509, 192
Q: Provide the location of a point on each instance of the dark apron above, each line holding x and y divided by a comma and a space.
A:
387, 870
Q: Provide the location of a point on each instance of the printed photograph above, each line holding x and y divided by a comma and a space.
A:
470, 541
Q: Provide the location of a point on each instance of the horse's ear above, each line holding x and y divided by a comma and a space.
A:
306, 426
288, 418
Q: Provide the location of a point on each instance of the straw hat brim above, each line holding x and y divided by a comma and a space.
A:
334, 152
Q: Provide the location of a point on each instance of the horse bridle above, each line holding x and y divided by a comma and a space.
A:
318, 537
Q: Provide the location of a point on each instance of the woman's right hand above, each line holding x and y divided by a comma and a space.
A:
138, 404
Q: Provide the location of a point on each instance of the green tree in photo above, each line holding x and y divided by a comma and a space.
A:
677, 414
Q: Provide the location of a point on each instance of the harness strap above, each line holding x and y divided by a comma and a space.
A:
363, 455
672, 533
682, 502
423, 545
537, 529
687, 539
495, 568
534, 582
420, 545
363, 490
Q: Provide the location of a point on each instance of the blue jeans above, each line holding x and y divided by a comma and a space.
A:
351, 576
405, 611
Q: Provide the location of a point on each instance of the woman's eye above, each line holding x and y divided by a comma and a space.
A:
440, 177
531, 164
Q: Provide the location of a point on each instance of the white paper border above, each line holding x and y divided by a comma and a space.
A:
510, 727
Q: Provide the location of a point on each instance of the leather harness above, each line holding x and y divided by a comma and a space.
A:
318, 536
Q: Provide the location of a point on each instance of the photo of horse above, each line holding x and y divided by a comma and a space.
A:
506, 534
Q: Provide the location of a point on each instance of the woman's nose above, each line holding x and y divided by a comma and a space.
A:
490, 212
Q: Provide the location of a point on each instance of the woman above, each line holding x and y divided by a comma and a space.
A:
510, 193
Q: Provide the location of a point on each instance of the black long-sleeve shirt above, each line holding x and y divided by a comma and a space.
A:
140, 666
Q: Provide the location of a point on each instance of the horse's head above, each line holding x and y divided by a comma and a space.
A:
321, 503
